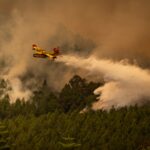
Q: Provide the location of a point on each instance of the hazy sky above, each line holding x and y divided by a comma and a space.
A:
119, 28
115, 29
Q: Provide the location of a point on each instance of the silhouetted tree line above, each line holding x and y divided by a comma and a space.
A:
75, 95
52, 121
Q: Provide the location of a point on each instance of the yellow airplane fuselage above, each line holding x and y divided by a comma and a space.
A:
40, 53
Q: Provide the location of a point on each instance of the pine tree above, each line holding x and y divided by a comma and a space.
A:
77, 94
69, 143
44, 100
4, 138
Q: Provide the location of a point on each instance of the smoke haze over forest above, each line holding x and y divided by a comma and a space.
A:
109, 29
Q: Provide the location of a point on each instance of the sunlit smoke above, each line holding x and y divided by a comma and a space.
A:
126, 84
119, 29
17, 91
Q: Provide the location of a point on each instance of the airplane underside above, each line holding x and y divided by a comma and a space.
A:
40, 55
43, 56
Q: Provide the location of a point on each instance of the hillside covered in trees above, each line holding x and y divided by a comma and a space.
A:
53, 121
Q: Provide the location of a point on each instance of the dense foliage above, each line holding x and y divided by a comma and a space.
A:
52, 121
123, 129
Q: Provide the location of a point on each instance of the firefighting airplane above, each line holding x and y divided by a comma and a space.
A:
41, 53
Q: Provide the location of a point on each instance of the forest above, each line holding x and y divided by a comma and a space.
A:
52, 120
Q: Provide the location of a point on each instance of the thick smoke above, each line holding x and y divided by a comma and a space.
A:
126, 84
119, 29
16, 53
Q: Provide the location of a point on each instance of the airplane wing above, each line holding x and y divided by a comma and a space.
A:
50, 55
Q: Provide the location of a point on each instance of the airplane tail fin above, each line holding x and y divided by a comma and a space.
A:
56, 51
